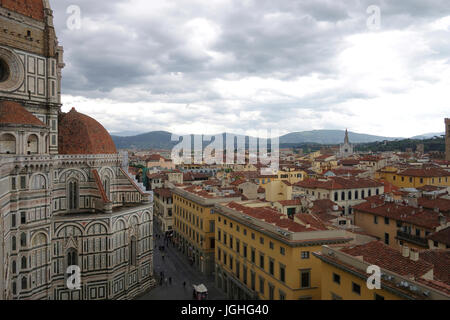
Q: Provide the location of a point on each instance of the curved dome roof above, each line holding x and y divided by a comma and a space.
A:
14, 113
30, 8
80, 134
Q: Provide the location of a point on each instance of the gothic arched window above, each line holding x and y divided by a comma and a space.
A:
23, 265
13, 244
24, 283
133, 249
73, 195
72, 257
106, 186
23, 240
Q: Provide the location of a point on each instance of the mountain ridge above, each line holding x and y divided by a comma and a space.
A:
162, 139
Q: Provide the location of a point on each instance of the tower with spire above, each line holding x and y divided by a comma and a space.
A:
346, 149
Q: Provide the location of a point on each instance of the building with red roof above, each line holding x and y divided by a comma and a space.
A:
404, 275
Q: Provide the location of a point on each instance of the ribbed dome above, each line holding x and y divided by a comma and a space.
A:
14, 113
80, 134
30, 8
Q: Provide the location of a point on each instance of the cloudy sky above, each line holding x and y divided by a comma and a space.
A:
209, 66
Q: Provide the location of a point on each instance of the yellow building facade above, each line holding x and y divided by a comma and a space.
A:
415, 178
347, 274
259, 260
194, 224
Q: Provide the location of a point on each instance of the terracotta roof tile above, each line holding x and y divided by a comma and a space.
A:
80, 134
442, 236
14, 113
379, 254
30, 8
441, 262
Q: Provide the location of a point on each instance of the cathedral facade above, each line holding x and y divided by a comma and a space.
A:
66, 197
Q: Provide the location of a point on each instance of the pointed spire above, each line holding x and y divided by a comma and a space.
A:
347, 140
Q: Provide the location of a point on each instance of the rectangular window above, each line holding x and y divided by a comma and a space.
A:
386, 220
261, 261
305, 279
252, 280
238, 269
336, 278
244, 278
375, 219
261, 285
13, 220
238, 246
305, 255
356, 288
282, 273
282, 295
386, 238
245, 251
261, 240
231, 242
271, 267
23, 218
282, 251
13, 183
23, 181
271, 245
271, 292
253, 255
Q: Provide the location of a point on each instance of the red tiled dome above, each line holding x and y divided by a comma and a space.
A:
14, 113
80, 134
30, 8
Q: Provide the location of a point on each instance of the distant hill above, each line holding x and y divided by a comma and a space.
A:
330, 137
151, 140
428, 135
162, 139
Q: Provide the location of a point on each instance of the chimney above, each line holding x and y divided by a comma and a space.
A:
442, 220
405, 251
414, 255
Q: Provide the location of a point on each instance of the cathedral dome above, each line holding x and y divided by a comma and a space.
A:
80, 134
14, 113
31, 8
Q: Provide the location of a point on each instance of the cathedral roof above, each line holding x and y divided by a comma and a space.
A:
30, 8
14, 113
80, 134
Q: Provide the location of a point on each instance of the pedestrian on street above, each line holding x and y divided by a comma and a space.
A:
165, 280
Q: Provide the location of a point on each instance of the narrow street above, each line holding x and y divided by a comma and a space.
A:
176, 266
